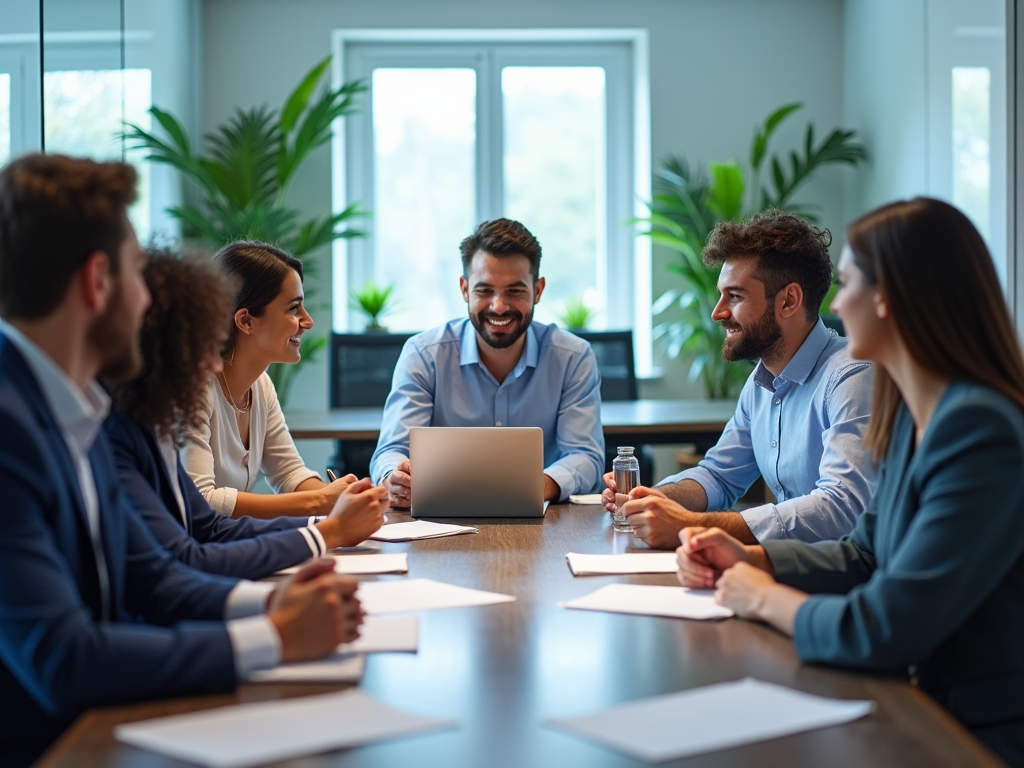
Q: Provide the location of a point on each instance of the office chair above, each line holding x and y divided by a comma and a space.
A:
615, 363
361, 368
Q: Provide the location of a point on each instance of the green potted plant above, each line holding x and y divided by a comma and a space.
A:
576, 315
240, 178
686, 205
374, 301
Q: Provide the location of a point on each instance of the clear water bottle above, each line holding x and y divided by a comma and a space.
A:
626, 470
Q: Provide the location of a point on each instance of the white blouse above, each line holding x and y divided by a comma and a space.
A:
218, 462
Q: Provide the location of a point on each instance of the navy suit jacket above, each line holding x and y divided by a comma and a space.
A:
57, 654
932, 577
242, 547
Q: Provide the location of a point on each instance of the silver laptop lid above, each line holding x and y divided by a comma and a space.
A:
477, 471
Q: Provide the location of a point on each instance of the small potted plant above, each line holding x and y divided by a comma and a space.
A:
576, 315
374, 301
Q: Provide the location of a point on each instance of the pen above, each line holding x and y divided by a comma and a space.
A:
331, 476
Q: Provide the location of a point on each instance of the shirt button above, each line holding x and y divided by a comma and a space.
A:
501, 390
774, 444
497, 423
778, 400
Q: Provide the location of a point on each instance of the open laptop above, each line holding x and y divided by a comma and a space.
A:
477, 471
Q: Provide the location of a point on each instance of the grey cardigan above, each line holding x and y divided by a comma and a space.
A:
931, 580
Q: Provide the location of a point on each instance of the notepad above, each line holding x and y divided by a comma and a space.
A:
376, 635
421, 595
420, 529
645, 600
353, 565
270, 731
585, 498
631, 562
711, 718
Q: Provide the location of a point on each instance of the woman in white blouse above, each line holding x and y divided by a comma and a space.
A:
245, 429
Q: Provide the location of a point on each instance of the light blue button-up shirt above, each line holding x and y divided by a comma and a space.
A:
441, 382
802, 432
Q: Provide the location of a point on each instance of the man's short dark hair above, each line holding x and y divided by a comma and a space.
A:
788, 250
54, 212
501, 237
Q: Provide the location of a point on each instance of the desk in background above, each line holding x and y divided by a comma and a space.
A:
625, 422
500, 670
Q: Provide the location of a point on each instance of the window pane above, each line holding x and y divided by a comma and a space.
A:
555, 175
971, 168
424, 124
83, 110
5, 117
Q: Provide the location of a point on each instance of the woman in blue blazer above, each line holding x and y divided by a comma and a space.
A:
182, 335
931, 581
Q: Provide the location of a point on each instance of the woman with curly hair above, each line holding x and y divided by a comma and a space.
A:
182, 336
930, 583
242, 430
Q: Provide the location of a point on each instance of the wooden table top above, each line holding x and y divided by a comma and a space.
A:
500, 670
633, 417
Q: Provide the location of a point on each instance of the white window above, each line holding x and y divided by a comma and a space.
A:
457, 127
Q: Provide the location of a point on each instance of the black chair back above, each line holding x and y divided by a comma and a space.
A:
614, 353
362, 366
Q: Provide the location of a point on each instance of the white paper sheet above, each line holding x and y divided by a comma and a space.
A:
646, 600
585, 498
420, 529
421, 595
269, 731
336, 668
631, 562
362, 564
377, 635
711, 718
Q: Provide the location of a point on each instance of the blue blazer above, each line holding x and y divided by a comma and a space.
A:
931, 581
57, 656
242, 547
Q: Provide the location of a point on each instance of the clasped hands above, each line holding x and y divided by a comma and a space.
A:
655, 518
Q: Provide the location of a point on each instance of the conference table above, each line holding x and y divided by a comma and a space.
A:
501, 670
638, 421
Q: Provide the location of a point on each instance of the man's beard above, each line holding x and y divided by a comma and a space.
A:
112, 333
760, 340
517, 327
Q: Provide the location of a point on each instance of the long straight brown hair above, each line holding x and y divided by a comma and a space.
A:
944, 298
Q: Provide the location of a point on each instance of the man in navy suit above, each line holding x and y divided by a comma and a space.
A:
92, 610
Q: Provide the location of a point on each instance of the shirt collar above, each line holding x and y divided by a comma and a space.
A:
469, 352
799, 369
79, 413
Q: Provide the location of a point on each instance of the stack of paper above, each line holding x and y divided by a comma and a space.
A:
363, 564
421, 595
712, 718
674, 602
376, 635
271, 731
420, 529
633, 562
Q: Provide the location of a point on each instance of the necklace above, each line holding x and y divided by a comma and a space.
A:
231, 398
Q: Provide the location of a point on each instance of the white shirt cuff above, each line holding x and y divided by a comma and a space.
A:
314, 519
319, 540
255, 643
248, 598
315, 541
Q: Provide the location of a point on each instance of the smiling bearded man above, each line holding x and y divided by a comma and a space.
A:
497, 368
801, 414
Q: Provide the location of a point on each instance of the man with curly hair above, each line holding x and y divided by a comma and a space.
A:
801, 413
182, 336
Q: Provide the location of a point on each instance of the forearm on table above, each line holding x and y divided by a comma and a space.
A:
265, 505
779, 607
687, 493
311, 484
730, 522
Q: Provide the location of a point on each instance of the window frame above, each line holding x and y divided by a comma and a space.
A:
623, 53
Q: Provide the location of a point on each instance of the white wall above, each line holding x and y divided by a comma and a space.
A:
718, 67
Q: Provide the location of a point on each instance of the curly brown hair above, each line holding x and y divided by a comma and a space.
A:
186, 324
788, 250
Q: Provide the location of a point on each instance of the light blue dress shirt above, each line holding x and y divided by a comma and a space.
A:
802, 432
441, 382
